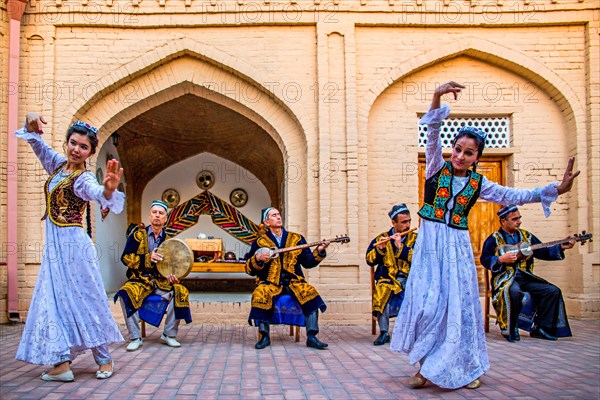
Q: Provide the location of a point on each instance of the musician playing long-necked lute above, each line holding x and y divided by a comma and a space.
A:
512, 275
276, 258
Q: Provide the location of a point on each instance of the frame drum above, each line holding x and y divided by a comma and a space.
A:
177, 258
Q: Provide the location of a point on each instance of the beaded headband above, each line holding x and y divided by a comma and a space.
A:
81, 124
473, 131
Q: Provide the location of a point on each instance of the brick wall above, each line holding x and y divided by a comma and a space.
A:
339, 91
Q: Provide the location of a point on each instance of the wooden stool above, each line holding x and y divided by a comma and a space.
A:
373, 319
487, 301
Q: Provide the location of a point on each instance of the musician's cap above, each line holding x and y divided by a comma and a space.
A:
160, 203
264, 214
398, 209
504, 211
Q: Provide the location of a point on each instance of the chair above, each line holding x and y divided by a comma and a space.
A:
373, 320
528, 310
394, 303
152, 311
287, 311
487, 301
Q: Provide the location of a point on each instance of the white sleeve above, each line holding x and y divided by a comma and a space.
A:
87, 187
433, 151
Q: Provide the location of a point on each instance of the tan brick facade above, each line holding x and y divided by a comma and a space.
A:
336, 88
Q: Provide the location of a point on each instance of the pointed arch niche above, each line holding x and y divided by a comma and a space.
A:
185, 105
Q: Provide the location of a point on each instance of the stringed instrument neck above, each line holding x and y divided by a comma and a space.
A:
553, 243
526, 249
338, 239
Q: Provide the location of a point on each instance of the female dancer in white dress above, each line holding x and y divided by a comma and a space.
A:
440, 324
69, 310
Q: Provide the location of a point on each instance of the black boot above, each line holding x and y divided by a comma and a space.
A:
515, 334
510, 338
263, 342
383, 338
312, 341
541, 334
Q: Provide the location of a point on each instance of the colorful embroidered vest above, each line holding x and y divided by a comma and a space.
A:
63, 206
438, 191
523, 265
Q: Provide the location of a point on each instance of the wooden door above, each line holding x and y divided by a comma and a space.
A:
482, 218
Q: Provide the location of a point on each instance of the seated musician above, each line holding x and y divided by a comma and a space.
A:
511, 277
283, 274
140, 257
392, 260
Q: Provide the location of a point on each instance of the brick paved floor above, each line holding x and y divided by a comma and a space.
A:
219, 361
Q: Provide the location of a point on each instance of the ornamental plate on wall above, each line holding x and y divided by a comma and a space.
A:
171, 197
238, 197
205, 180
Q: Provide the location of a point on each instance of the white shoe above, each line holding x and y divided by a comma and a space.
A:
66, 376
134, 344
106, 374
169, 341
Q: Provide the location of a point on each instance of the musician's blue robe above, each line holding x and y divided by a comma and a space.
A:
536, 307
284, 272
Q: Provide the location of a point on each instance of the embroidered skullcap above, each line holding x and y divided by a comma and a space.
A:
398, 209
160, 203
81, 124
265, 213
473, 131
504, 211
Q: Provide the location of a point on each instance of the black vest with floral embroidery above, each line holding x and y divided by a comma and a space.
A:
438, 191
63, 206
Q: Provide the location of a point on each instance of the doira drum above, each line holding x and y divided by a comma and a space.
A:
177, 258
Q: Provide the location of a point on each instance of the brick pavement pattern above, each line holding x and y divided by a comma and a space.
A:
217, 361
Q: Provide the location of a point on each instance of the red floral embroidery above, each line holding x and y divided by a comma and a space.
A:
439, 213
446, 172
462, 200
456, 219
443, 192
473, 183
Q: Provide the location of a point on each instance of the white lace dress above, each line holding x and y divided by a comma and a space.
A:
440, 324
69, 309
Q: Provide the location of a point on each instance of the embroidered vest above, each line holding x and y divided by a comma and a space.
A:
63, 206
523, 265
438, 191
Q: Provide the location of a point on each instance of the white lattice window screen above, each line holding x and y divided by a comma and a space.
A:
497, 129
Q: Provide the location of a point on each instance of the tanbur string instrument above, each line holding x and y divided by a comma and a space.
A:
274, 251
387, 239
524, 250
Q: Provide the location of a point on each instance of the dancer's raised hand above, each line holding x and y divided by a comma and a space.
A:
567, 182
449, 87
34, 122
